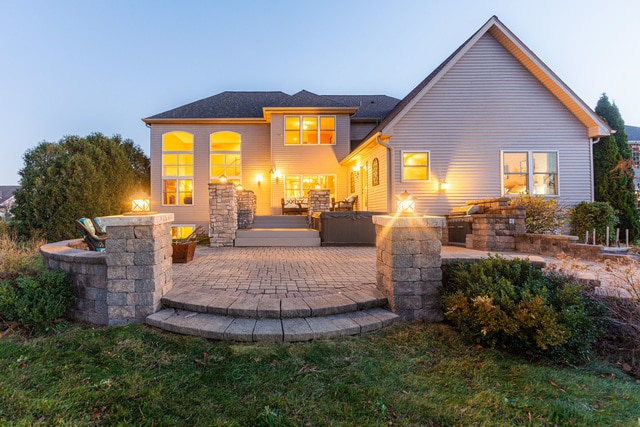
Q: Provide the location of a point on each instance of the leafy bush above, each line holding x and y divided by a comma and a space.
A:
36, 301
544, 216
510, 304
595, 215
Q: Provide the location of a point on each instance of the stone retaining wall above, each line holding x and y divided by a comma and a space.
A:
87, 271
552, 245
126, 282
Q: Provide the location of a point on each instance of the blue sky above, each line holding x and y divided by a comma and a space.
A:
77, 67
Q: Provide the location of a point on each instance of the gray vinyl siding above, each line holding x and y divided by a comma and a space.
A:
255, 160
487, 102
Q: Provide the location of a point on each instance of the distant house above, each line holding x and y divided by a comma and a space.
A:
492, 120
633, 133
6, 198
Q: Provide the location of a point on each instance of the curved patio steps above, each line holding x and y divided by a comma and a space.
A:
226, 316
230, 328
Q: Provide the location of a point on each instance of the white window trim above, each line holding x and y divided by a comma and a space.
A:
301, 116
529, 171
177, 178
402, 166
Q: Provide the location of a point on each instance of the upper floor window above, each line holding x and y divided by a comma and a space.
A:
225, 159
415, 166
530, 172
177, 168
309, 130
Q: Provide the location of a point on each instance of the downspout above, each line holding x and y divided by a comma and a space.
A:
381, 139
593, 141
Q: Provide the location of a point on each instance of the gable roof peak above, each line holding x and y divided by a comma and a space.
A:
495, 28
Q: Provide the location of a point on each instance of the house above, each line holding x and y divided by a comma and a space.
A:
7, 199
492, 120
633, 135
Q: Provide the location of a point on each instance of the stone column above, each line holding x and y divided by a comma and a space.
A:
319, 201
246, 208
408, 263
223, 214
138, 257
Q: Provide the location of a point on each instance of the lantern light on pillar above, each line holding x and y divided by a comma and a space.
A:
140, 204
406, 204
223, 179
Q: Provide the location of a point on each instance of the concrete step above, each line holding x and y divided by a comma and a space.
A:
271, 237
274, 308
231, 328
280, 221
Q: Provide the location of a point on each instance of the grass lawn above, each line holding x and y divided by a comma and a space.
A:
409, 374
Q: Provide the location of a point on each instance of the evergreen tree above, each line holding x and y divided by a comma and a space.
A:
76, 177
613, 170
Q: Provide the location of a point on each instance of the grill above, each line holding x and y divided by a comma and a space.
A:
460, 223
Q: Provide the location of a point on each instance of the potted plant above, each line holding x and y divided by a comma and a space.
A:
184, 249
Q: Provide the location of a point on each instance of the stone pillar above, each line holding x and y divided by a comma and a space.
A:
246, 208
319, 201
223, 214
138, 258
408, 262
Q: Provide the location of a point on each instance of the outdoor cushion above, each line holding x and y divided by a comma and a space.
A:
99, 226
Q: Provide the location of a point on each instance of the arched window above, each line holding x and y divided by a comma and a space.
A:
225, 159
177, 168
375, 172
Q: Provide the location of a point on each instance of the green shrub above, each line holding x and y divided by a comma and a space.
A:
36, 301
544, 216
595, 215
512, 305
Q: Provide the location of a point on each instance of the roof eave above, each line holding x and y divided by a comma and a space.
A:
194, 120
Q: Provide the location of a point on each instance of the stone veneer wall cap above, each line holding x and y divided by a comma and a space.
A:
409, 221
133, 220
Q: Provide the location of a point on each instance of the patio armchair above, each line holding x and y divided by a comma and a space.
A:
86, 228
345, 204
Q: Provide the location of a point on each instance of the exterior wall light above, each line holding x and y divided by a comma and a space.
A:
406, 204
259, 180
223, 179
444, 186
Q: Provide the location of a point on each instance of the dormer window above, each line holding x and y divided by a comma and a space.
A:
310, 130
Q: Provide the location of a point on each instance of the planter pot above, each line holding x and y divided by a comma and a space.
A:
183, 252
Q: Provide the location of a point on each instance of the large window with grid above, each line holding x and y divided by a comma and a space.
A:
177, 168
309, 130
530, 172
225, 158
